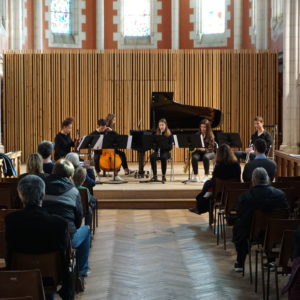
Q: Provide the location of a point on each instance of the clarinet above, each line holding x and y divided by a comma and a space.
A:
248, 154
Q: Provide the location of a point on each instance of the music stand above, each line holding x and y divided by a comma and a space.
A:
189, 141
154, 142
113, 141
232, 139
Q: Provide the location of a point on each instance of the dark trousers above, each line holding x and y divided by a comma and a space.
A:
203, 204
202, 156
163, 157
97, 155
241, 247
242, 155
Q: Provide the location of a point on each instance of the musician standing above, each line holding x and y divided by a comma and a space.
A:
206, 152
260, 133
161, 154
63, 141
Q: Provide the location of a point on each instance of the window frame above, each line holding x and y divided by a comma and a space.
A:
208, 40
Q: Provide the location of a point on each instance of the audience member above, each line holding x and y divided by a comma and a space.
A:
63, 199
33, 231
78, 179
227, 167
90, 180
260, 160
34, 166
45, 149
261, 196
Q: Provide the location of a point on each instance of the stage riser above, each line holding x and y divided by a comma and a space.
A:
146, 194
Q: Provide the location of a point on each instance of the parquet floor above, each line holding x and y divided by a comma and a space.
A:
160, 254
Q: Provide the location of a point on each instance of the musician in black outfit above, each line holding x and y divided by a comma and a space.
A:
206, 152
161, 154
63, 141
260, 133
102, 128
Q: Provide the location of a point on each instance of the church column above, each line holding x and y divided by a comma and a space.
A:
238, 14
38, 24
175, 24
100, 25
291, 87
261, 24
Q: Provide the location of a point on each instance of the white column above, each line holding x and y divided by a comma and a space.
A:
175, 24
291, 87
262, 24
238, 14
38, 24
100, 24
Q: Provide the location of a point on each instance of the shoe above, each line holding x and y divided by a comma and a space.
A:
130, 172
164, 179
194, 210
204, 179
118, 178
237, 268
86, 274
195, 179
154, 178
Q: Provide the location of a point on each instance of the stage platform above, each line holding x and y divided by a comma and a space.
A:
172, 194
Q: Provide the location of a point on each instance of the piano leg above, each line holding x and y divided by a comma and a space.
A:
141, 158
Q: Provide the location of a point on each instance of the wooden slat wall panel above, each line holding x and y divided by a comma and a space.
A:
42, 88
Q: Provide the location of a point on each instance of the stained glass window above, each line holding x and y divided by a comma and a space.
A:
61, 16
137, 18
212, 16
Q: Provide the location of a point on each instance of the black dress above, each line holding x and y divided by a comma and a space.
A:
62, 145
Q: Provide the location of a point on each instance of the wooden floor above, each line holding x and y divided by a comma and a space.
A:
161, 254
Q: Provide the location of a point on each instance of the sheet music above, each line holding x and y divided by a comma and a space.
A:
202, 141
99, 143
78, 148
175, 141
129, 142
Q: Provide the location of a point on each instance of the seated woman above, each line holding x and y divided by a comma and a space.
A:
161, 154
90, 180
227, 167
79, 178
34, 166
204, 153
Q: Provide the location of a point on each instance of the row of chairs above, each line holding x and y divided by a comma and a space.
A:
267, 229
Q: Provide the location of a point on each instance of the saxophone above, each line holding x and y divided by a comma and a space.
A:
188, 161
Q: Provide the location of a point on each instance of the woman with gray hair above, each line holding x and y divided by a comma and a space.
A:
34, 166
79, 178
90, 180
261, 196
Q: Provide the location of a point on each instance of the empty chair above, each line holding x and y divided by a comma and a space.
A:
21, 283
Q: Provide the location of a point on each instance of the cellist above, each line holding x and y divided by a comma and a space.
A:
102, 128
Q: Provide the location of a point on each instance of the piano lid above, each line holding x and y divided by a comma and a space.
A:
178, 115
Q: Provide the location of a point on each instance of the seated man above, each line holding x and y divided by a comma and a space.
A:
260, 133
260, 161
32, 230
261, 196
45, 149
63, 199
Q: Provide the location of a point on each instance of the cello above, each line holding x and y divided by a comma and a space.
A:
109, 160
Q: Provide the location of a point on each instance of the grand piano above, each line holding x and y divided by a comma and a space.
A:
181, 118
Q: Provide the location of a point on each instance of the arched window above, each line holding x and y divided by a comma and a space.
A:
210, 22
212, 18
137, 18
61, 16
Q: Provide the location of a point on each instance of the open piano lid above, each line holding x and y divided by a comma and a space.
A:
180, 116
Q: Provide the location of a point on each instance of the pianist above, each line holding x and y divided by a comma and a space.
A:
204, 153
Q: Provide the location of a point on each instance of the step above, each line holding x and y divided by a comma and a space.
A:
146, 203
